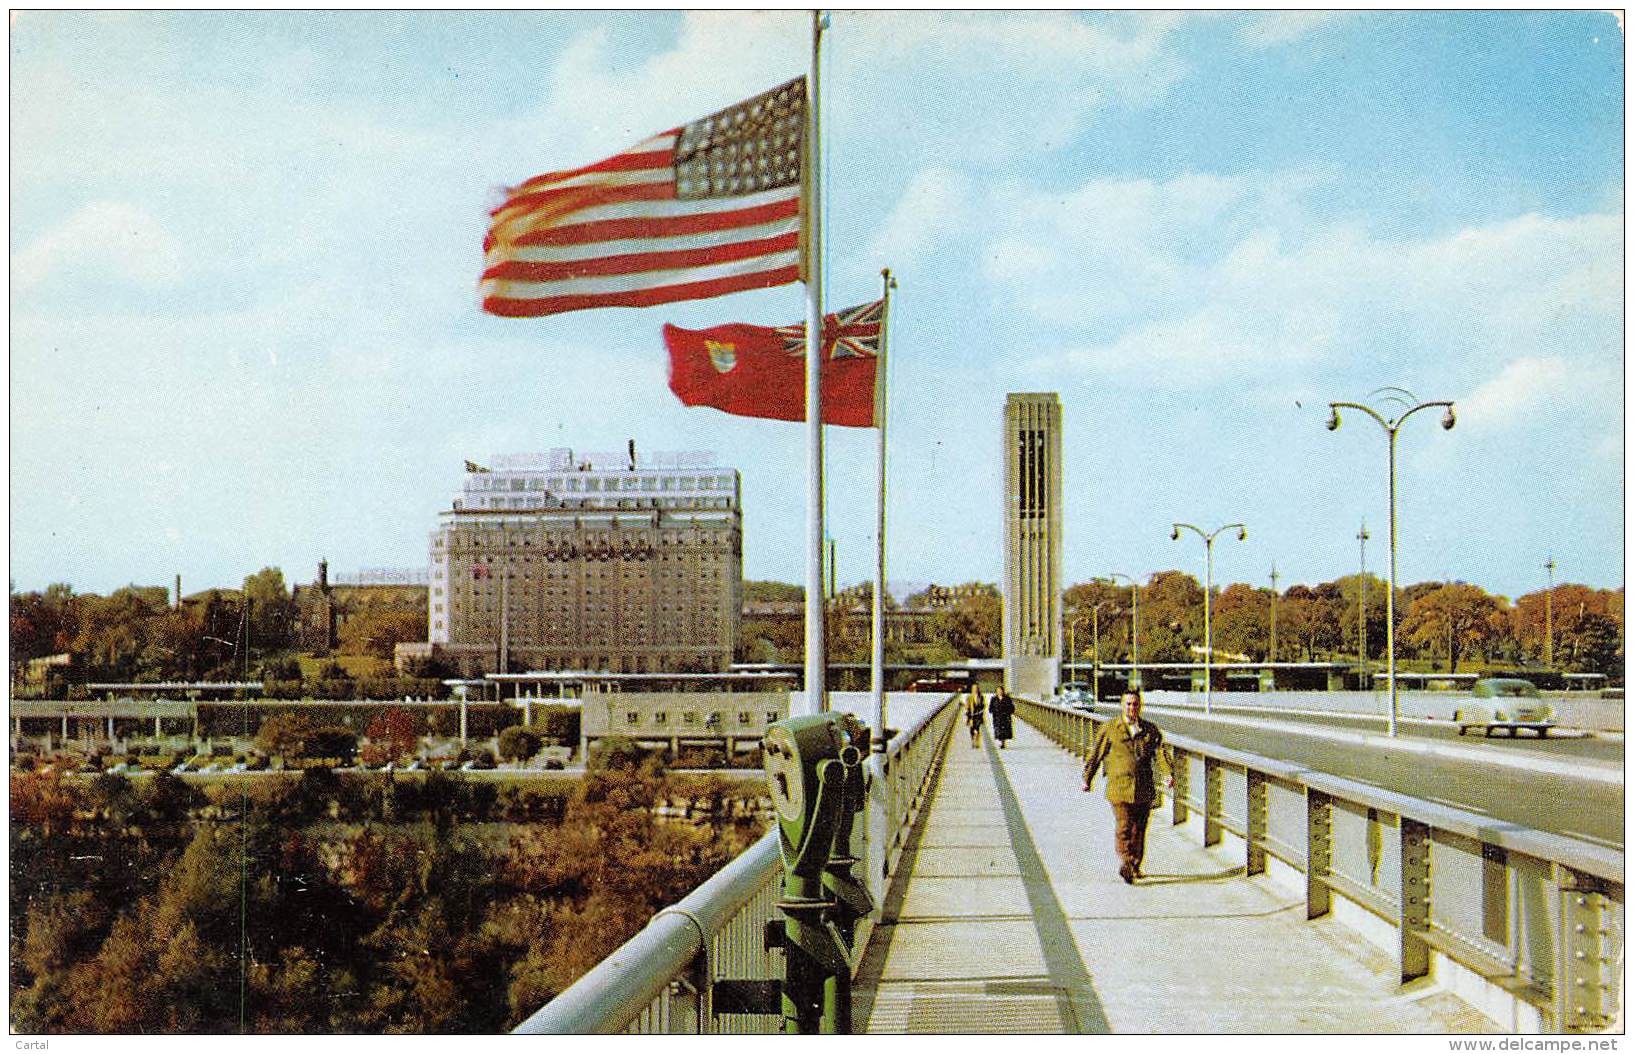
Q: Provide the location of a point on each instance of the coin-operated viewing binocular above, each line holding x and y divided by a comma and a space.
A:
818, 785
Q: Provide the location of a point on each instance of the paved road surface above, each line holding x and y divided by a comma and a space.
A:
1569, 743
1569, 805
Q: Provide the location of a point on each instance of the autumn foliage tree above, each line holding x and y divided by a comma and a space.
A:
275, 919
1454, 620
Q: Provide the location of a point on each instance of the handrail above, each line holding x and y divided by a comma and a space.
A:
625, 983
674, 949
1601, 861
1536, 915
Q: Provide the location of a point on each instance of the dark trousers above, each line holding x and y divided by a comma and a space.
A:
1130, 820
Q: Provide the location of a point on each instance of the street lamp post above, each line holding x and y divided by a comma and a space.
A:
1400, 397
1095, 676
1274, 577
1208, 601
1134, 626
1072, 648
1549, 617
1361, 606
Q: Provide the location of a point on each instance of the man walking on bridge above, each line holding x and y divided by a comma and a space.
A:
1131, 750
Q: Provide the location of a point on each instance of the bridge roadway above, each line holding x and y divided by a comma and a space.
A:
1579, 797
1009, 917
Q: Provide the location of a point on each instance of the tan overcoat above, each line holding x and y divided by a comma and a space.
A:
1132, 758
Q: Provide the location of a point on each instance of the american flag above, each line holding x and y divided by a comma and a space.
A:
710, 208
854, 331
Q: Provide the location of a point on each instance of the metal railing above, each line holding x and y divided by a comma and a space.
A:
701, 966
1536, 915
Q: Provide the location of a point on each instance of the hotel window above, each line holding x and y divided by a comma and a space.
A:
743, 717
771, 715
631, 717
690, 717
660, 718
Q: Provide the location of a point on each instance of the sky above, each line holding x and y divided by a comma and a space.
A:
244, 321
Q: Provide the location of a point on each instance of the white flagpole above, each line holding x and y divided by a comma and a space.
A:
811, 168
881, 404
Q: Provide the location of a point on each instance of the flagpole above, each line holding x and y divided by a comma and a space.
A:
811, 169
881, 403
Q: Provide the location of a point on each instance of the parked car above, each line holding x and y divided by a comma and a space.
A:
939, 684
1505, 702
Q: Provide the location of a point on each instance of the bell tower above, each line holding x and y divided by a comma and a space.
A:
1032, 542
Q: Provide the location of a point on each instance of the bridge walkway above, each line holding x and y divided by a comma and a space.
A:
1009, 917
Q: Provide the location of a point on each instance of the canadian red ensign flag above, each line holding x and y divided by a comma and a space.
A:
759, 371
698, 211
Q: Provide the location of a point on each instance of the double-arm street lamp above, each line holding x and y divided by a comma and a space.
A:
1095, 676
1399, 398
1208, 601
1094, 617
1134, 625
1072, 646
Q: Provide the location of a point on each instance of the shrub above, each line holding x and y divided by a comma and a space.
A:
518, 743
617, 752
331, 741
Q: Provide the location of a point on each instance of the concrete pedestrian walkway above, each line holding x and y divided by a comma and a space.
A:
1011, 918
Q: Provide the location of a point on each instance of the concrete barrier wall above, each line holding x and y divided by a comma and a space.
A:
1572, 710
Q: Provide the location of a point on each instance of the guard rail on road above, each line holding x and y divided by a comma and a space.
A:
700, 964
1536, 915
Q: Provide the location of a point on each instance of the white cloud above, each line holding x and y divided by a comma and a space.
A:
1279, 27
1201, 277
1110, 250
933, 210
988, 88
102, 242
1523, 385
598, 103
1036, 45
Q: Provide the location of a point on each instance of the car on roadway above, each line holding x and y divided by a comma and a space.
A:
1075, 693
1505, 702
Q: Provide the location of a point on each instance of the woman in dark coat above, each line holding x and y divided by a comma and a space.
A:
1003, 709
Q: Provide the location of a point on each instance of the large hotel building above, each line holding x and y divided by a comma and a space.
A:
603, 562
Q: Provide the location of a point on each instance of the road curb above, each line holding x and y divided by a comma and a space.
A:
1596, 771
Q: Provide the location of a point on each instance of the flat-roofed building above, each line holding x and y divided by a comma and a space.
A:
595, 561
734, 722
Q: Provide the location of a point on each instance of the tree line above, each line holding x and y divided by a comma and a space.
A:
1442, 625
135, 635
